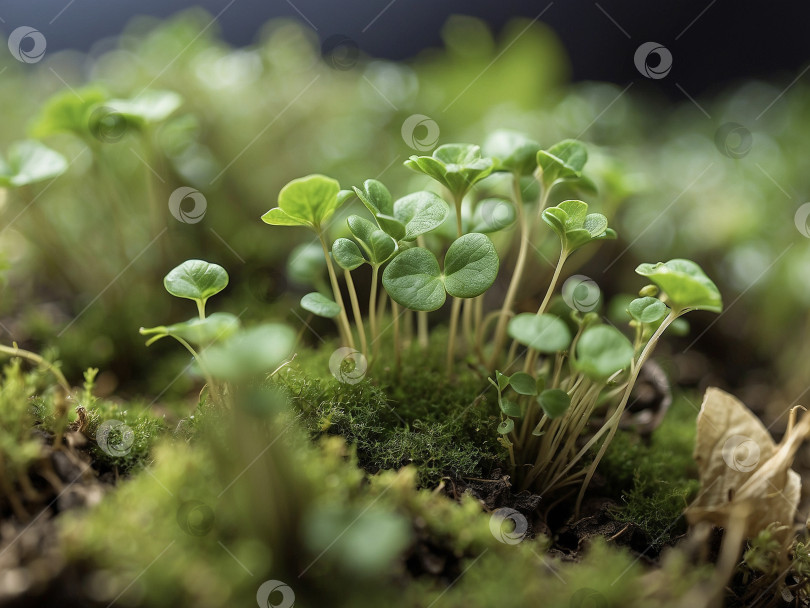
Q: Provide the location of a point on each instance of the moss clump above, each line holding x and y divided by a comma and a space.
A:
660, 474
410, 415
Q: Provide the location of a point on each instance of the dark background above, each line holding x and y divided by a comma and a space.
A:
712, 42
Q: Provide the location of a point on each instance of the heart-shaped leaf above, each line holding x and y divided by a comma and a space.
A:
512, 151
470, 266
69, 111
196, 280
377, 245
200, 332
29, 162
414, 280
306, 201
376, 197
686, 285
546, 333
555, 402
420, 212
456, 166
493, 214
647, 310
318, 304
602, 350
347, 254
563, 160
523, 383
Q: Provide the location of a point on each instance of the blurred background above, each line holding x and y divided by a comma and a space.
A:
696, 115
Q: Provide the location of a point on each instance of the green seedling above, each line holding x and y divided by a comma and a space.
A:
311, 202
591, 371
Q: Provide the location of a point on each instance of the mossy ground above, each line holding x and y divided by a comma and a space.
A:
332, 491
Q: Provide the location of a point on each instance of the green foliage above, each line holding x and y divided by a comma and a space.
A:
196, 280
602, 351
563, 161
458, 167
306, 201
414, 279
647, 310
29, 162
318, 304
685, 284
512, 151
575, 226
544, 333
200, 332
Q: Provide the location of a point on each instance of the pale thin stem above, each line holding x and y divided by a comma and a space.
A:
613, 422
372, 309
422, 316
358, 316
451, 342
397, 345
344, 326
201, 308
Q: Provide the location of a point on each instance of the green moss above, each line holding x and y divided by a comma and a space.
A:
394, 418
655, 480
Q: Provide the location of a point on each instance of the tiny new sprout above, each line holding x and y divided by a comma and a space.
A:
221, 349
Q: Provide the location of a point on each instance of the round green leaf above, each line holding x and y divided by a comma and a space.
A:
523, 383
555, 402
318, 304
347, 254
512, 151
308, 201
413, 279
470, 266
603, 350
647, 310
29, 162
546, 333
506, 426
148, 107
686, 285
457, 166
420, 212
196, 280
493, 214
